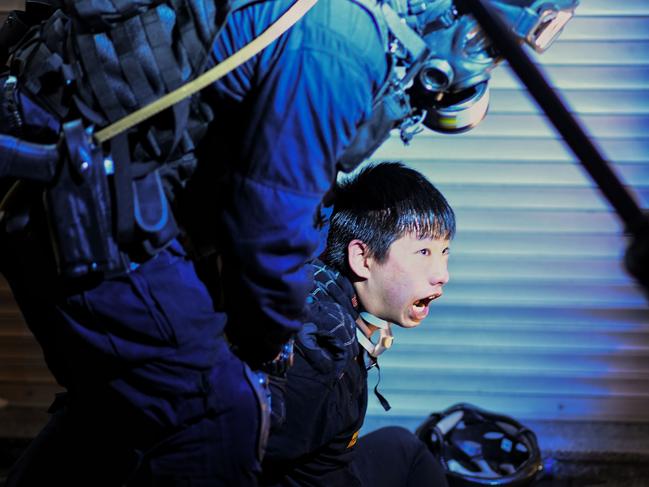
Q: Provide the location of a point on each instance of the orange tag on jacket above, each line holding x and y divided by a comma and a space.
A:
352, 442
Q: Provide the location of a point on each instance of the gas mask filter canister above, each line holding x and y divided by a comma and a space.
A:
450, 90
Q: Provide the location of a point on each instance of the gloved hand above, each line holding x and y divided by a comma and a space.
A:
277, 370
258, 349
281, 363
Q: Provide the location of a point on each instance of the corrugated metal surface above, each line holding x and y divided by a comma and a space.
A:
540, 319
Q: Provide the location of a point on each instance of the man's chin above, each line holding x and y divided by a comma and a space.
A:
409, 323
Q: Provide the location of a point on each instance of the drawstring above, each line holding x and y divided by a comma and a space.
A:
384, 402
374, 350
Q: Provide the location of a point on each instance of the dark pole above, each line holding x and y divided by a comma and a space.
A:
635, 221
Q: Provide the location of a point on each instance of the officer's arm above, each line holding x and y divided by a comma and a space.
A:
305, 115
299, 103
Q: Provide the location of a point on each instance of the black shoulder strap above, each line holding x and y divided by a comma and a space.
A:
94, 69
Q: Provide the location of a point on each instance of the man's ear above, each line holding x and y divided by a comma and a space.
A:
358, 258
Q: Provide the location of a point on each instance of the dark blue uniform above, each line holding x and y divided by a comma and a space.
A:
154, 393
325, 403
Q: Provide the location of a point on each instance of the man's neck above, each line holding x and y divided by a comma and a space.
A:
368, 323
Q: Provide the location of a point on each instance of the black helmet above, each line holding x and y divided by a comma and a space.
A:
478, 447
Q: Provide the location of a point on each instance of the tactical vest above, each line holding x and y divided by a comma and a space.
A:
97, 61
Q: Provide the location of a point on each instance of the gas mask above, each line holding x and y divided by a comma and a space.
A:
449, 93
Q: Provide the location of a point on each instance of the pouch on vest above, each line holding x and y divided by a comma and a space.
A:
152, 212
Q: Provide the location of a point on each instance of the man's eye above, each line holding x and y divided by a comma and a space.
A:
424, 251
446, 251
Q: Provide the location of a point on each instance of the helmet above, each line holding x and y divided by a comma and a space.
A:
478, 447
450, 90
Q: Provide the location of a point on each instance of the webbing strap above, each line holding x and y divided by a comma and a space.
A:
124, 38
189, 38
97, 77
123, 189
122, 5
160, 44
406, 35
281, 25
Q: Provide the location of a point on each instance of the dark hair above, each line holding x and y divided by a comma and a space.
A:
379, 205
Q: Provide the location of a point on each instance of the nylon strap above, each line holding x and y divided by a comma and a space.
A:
403, 32
281, 25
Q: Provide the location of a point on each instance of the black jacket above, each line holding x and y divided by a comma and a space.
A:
326, 395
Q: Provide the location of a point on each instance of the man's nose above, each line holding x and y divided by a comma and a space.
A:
439, 274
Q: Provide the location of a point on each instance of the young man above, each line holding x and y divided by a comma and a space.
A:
385, 261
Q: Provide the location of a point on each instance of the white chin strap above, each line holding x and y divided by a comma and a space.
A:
385, 335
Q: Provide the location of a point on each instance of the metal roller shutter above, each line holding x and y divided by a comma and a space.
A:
540, 319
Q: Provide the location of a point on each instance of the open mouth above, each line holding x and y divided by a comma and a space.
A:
420, 307
422, 303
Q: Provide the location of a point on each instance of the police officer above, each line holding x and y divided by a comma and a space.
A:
155, 394
91, 248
